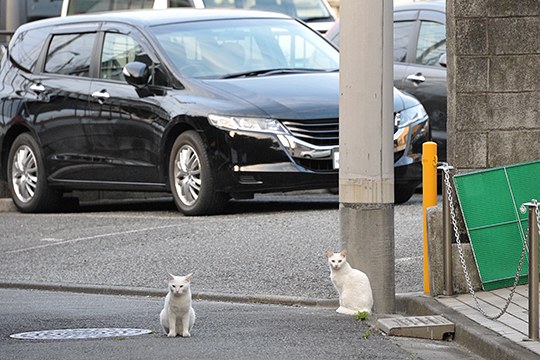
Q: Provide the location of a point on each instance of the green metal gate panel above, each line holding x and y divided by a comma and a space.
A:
490, 202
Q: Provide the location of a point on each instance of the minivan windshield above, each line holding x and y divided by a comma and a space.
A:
245, 48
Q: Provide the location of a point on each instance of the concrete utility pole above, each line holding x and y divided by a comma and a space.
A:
366, 175
13, 15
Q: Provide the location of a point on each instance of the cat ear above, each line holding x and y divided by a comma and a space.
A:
329, 252
170, 276
343, 253
188, 276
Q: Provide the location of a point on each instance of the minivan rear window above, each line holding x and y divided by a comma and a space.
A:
24, 50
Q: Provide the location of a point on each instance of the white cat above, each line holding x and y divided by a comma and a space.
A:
177, 316
352, 285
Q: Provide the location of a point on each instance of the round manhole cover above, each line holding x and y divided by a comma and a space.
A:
79, 333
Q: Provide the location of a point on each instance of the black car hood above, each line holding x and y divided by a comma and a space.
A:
403, 101
289, 96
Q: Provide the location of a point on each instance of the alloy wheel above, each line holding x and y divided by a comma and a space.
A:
24, 173
187, 175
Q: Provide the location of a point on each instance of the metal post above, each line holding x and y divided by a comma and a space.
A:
447, 242
533, 271
429, 197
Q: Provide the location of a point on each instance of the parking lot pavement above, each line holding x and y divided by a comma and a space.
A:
221, 331
128, 249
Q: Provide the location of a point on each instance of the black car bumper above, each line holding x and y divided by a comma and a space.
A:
264, 162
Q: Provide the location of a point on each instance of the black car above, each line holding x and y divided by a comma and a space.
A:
207, 104
420, 60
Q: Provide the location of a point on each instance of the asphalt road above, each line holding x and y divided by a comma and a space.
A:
221, 331
273, 245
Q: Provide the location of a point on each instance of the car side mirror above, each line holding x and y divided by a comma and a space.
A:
137, 74
442, 60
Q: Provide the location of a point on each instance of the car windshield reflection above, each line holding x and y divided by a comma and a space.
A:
246, 48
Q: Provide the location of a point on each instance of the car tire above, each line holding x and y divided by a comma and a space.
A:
27, 180
402, 194
192, 182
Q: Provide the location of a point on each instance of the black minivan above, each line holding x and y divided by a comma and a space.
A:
206, 104
420, 60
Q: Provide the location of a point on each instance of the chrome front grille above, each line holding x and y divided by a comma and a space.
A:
319, 132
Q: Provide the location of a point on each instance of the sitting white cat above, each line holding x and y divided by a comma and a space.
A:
177, 316
352, 285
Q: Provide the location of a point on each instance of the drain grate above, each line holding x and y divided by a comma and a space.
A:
94, 333
425, 327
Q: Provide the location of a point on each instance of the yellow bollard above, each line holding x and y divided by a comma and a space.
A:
429, 189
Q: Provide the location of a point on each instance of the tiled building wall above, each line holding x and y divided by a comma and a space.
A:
493, 82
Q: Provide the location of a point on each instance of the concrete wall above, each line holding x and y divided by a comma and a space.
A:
493, 82
493, 57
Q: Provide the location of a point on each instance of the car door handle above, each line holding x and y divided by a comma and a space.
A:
101, 96
416, 78
37, 88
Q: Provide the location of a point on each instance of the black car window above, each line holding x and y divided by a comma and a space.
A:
180, 3
70, 54
25, 49
402, 34
431, 43
118, 50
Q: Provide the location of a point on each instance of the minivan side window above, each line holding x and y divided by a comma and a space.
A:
25, 49
118, 50
431, 43
402, 34
70, 54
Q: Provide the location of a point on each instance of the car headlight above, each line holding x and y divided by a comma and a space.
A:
409, 116
247, 124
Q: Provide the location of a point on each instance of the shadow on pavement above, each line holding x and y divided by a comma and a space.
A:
281, 203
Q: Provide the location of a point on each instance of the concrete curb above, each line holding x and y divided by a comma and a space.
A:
151, 292
7, 205
469, 334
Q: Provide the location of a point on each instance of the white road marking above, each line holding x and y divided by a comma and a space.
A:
88, 238
409, 260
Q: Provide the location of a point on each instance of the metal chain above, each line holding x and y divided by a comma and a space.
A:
446, 169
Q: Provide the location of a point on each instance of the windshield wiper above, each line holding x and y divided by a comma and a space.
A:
270, 72
317, 18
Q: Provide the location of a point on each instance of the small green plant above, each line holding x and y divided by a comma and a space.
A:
361, 315
366, 335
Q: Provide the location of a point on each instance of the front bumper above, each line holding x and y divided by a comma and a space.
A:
408, 143
264, 162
